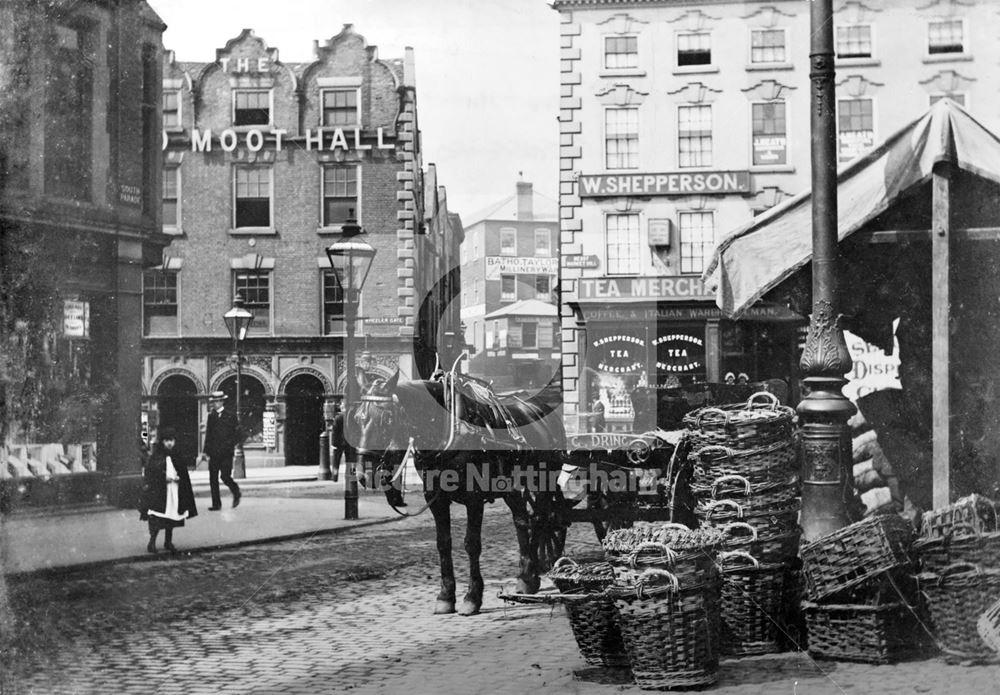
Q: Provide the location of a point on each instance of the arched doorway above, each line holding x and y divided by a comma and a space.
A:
251, 406
177, 402
303, 420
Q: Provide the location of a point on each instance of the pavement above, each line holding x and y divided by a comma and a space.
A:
277, 504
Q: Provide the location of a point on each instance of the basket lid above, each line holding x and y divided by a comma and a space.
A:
568, 569
675, 536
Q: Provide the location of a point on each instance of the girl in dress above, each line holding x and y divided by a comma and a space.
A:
168, 498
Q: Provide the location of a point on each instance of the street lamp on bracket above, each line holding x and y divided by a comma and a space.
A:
350, 259
238, 320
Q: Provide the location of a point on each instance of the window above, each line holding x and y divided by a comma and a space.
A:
171, 108
621, 138
767, 46
542, 287
946, 36
340, 107
855, 129
621, 52
171, 198
694, 137
694, 49
255, 286
543, 242
697, 232
854, 41
333, 304
622, 244
529, 334
957, 98
253, 197
769, 133
508, 288
251, 108
508, 242
68, 95
340, 194
159, 302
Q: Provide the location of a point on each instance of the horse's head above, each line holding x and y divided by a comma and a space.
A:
375, 418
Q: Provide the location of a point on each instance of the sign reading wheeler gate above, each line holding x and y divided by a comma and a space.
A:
672, 183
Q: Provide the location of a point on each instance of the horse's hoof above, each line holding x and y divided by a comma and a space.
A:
444, 607
529, 586
468, 608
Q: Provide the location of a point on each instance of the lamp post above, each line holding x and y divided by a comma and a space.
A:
238, 321
350, 259
826, 439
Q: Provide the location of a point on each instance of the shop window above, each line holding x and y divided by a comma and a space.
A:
529, 334
68, 97
253, 197
947, 36
621, 52
255, 286
957, 98
171, 108
333, 304
854, 41
542, 287
621, 138
767, 46
340, 107
623, 248
769, 133
855, 128
171, 199
159, 302
508, 242
340, 194
697, 234
694, 137
508, 288
543, 242
251, 108
694, 49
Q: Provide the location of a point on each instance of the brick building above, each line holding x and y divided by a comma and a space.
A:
510, 260
680, 121
79, 220
264, 163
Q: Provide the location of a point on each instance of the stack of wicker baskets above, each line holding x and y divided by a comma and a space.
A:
860, 606
745, 482
666, 596
959, 552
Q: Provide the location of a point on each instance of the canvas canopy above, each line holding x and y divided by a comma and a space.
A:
756, 258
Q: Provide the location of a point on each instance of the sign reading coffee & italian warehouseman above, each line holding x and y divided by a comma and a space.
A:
670, 183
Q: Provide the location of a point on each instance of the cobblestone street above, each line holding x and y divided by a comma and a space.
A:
351, 612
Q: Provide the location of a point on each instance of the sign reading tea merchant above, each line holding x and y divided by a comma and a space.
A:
630, 289
671, 183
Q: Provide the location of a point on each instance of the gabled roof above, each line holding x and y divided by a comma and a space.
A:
545, 209
525, 307
756, 258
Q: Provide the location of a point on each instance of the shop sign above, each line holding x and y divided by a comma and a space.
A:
769, 150
253, 139
873, 370
609, 441
679, 352
620, 354
520, 265
76, 318
651, 288
585, 262
759, 312
384, 320
670, 183
270, 429
854, 144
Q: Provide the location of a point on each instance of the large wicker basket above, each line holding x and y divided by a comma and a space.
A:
875, 634
760, 466
689, 554
855, 553
759, 422
773, 548
749, 496
593, 621
768, 521
753, 604
957, 597
964, 543
973, 512
671, 633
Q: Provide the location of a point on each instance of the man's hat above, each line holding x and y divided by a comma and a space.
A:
166, 433
217, 396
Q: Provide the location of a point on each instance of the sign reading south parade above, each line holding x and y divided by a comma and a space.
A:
670, 183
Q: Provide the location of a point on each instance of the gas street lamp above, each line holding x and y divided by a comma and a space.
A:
350, 259
238, 320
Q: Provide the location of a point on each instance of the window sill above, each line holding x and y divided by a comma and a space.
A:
947, 58
695, 69
753, 67
772, 169
253, 231
332, 229
248, 128
342, 126
622, 72
508, 299
858, 63
172, 231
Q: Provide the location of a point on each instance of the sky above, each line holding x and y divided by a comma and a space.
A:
487, 75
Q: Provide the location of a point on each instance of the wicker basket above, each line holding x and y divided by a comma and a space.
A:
973, 512
738, 488
769, 521
988, 626
593, 622
769, 464
671, 633
759, 422
875, 634
855, 553
957, 597
753, 604
965, 543
775, 548
689, 554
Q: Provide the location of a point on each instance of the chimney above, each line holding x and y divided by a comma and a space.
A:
524, 195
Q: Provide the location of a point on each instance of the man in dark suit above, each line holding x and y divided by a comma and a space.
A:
221, 437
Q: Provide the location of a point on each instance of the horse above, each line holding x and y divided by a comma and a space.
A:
469, 447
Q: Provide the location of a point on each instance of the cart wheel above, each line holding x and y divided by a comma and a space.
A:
547, 526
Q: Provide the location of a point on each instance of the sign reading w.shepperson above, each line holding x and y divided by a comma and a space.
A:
671, 183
